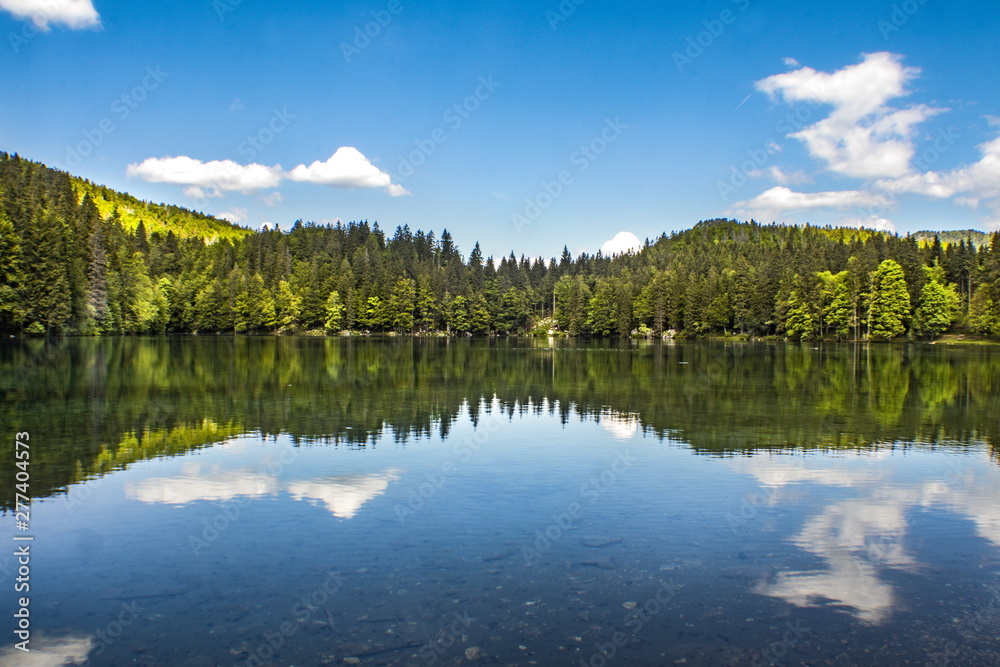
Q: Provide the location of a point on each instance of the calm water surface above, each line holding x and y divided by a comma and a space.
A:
221, 501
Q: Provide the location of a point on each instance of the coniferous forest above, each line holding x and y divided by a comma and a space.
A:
80, 259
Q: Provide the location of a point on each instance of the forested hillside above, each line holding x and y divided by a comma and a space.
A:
76, 258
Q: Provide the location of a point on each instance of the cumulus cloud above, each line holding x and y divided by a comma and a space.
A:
347, 168
209, 179
971, 186
623, 242
863, 136
74, 14
781, 200
870, 222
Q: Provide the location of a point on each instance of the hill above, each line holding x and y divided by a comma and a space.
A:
76, 258
977, 238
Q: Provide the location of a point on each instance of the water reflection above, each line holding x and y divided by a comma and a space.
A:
193, 485
107, 403
861, 539
343, 495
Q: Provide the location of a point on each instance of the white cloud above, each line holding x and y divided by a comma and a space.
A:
234, 215
781, 200
74, 14
343, 495
876, 222
623, 242
791, 62
972, 185
218, 175
866, 532
992, 121
347, 168
195, 485
863, 136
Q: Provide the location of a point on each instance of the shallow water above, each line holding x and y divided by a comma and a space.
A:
202, 501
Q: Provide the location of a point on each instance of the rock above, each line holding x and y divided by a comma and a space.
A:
474, 653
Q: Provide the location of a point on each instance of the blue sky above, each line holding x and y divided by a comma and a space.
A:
526, 125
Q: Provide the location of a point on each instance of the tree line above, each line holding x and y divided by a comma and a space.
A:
76, 258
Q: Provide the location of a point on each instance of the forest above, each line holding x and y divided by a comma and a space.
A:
80, 259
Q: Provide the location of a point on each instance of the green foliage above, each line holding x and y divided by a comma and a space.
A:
937, 307
79, 258
888, 302
334, 312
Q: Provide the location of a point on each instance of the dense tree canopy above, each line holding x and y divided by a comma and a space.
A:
76, 258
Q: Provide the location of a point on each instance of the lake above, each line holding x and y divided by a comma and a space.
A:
309, 501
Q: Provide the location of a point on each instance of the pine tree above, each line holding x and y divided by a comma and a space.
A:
11, 311
334, 312
888, 302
